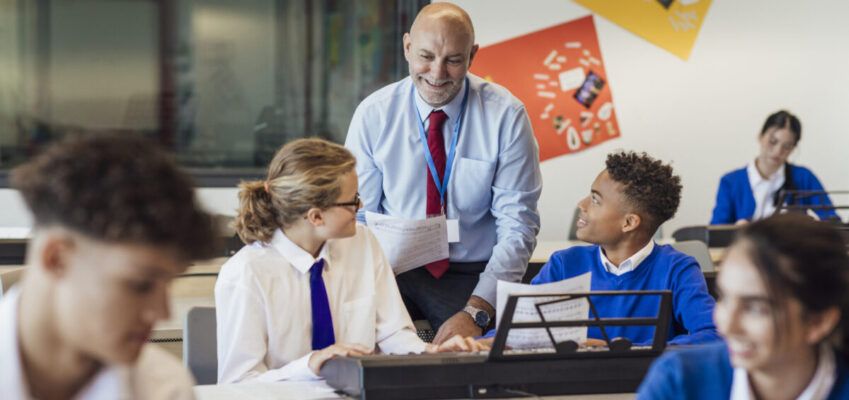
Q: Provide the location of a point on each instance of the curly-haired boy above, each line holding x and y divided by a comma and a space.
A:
628, 201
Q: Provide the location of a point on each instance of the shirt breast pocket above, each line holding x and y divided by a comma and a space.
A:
472, 184
360, 318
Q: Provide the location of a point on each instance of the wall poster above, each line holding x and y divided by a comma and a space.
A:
559, 74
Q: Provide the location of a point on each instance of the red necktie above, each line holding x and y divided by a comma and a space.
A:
436, 144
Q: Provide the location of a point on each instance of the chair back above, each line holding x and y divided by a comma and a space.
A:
687, 233
9, 278
698, 250
200, 345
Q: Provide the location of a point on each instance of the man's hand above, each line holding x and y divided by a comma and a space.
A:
460, 324
595, 343
486, 342
318, 358
457, 344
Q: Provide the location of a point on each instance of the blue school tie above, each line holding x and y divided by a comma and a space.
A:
322, 322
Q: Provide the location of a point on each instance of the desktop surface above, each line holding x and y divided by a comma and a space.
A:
319, 390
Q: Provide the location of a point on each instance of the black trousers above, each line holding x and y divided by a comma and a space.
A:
439, 299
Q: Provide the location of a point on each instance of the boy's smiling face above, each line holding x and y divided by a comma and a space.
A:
603, 213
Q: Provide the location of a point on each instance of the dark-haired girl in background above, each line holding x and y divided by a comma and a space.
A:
754, 192
782, 309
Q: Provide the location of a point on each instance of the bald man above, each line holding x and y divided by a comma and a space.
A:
443, 123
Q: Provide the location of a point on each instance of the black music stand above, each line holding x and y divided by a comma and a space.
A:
568, 349
788, 200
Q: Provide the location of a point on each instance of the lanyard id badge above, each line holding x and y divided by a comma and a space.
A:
453, 225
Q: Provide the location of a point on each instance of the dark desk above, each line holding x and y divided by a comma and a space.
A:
13, 251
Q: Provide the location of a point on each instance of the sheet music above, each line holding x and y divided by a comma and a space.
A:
526, 311
408, 243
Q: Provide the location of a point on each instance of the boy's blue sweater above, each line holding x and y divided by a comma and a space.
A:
664, 269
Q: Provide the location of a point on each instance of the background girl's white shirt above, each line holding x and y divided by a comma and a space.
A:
818, 389
764, 190
156, 375
263, 306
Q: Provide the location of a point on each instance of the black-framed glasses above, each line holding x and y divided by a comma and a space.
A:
355, 203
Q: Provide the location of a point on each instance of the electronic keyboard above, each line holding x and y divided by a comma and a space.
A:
563, 368
472, 375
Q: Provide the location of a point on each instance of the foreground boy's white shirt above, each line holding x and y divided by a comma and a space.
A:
263, 306
155, 376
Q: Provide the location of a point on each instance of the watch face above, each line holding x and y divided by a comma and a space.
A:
481, 319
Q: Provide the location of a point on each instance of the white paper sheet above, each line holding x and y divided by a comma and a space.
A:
526, 311
409, 243
571, 79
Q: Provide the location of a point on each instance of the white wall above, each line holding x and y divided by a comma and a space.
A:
752, 57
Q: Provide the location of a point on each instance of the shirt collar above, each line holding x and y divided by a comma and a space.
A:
755, 177
298, 257
630, 264
740, 387
11, 368
824, 377
819, 387
452, 109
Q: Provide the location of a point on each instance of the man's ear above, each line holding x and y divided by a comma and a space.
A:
632, 222
407, 42
315, 217
472, 54
55, 254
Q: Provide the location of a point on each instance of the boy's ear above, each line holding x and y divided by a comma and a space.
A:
315, 217
56, 253
632, 222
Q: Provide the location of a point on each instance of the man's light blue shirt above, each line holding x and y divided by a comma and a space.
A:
495, 183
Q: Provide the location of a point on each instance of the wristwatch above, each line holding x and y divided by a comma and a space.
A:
480, 317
